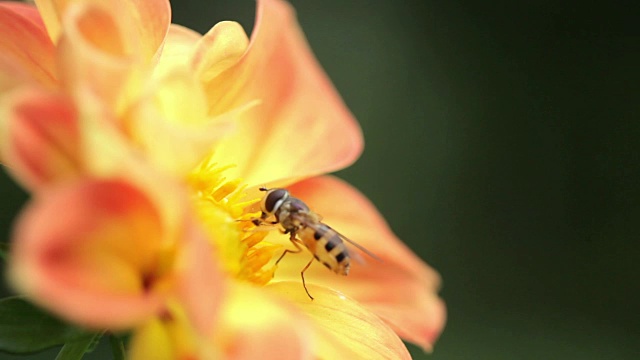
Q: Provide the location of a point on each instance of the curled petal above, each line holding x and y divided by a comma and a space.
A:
98, 56
343, 329
400, 288
90, 252
25, 43
149, 19
301, 127
219, 49
40, 137
256, 326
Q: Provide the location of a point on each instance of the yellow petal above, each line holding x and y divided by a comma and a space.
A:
219, 49
343, 329
254, 325
152, 341
170, 337
301, 127
171, 124
24, 42
178, 46
401, 288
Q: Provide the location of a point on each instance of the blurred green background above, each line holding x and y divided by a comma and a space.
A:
502, 145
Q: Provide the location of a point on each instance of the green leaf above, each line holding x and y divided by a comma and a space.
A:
4, 251
117, 347
75, 349
25, 328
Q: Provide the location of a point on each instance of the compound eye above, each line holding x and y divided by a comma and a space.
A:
274, 199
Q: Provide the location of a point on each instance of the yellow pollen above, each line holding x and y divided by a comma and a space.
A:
221, 205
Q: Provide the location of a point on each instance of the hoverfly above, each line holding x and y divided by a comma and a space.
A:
306, 227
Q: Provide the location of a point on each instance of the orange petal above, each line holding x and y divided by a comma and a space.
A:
343, 329
89, 252
98, 55
149, 19
24, 41
40, 137
256, 326
201, 284
301, 127
401, 289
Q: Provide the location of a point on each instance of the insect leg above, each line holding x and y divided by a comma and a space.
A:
304, 284
297, 250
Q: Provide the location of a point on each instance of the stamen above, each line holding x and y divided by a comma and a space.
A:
226, 189
222, 205
254, 238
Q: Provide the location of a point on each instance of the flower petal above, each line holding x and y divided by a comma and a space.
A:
172, 126
343, 329
25, 42
179, 44
98, 56
301, 127
219, 49
254, 325
40, 137
149, 19
201, 284
401, 288
89, 252
153, 340
168, 337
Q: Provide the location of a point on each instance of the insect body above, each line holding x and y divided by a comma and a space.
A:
305, 227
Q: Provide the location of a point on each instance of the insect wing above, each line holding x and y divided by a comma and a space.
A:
359, 247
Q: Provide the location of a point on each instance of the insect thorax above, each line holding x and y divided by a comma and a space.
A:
293, 213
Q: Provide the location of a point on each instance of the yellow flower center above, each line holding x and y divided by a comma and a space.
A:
221, 206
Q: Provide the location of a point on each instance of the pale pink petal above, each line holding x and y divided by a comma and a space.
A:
148, 20
302, 127
342, 328
40, 137
401, 288
90, 252
24, 42
254, 325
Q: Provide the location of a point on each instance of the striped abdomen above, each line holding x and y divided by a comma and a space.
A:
327, 247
